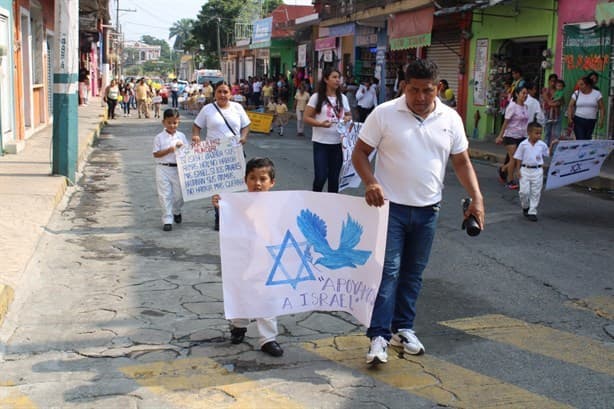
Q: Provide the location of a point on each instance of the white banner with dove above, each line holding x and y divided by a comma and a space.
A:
295, 251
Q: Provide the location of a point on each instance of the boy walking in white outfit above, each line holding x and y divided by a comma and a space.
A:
167, 177
259, 177
530, 155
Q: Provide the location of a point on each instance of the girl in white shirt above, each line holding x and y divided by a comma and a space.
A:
325, 110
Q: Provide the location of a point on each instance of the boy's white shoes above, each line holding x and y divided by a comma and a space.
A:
377, 351
407, 339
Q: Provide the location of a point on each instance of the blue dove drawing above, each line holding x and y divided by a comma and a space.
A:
314, 229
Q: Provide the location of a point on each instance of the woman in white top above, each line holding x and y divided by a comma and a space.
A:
223, 119
111, 94
583, 107
325, 110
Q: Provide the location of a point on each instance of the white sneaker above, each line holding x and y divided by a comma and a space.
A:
377, 351
407, 339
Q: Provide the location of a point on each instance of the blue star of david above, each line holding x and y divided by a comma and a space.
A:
303, 273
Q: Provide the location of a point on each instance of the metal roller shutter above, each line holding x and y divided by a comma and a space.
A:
445, 51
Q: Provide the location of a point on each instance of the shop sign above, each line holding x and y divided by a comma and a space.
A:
338, 31
261, 44
262, 30
366, 40
480, 69
302, 56
404, 43
410, 29
325, 43
584, 51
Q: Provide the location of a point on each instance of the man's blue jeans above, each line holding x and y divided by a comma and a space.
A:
327, 161
408, 245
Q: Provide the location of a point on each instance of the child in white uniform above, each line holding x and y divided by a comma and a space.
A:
167, 177
530, 155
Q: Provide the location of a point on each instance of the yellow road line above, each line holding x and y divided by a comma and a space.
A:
15, 400
539, 339
202, 382
431, 378
602, 305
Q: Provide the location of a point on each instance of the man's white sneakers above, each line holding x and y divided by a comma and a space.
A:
377, 351
407, 339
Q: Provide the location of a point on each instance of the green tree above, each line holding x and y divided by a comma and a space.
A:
182, 31
270, 5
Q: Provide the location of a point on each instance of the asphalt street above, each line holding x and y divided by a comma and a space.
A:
119, 314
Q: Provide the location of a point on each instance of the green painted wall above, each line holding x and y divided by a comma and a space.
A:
285, 49
534, 18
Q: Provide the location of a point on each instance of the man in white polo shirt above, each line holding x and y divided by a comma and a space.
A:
414, 135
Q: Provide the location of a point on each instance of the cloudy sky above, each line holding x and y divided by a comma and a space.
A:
154, 17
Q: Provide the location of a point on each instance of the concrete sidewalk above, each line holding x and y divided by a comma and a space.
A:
29, 195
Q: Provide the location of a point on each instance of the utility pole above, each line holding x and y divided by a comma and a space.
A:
65, 81
119, 38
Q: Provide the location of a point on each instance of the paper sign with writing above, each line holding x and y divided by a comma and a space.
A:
290, 252
348, 176
574, 161
211, 167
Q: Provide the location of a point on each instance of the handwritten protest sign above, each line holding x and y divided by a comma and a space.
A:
211, 167
290, 252
348, 176
574, 161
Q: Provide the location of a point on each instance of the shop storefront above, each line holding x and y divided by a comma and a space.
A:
408, 33
584, 51
504, 37
449, 49
327, 54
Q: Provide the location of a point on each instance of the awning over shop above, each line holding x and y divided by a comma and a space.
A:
604, 13
411, 29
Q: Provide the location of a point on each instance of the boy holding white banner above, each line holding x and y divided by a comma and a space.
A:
259, 177
167, 177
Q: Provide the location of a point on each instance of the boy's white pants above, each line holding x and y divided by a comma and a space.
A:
169, 192
530, 190
267, 327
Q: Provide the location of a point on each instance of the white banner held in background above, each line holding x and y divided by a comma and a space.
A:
210, 167
290, 252
574, 161
348, 176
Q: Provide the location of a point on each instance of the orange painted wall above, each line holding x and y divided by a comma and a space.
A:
20, 131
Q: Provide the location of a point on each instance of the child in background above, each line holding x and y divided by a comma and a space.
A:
281, 115
530, 160
559, 94
156, 101
167, 177
259, 177
270, 109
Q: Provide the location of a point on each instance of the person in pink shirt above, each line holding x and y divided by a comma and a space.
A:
513, 132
